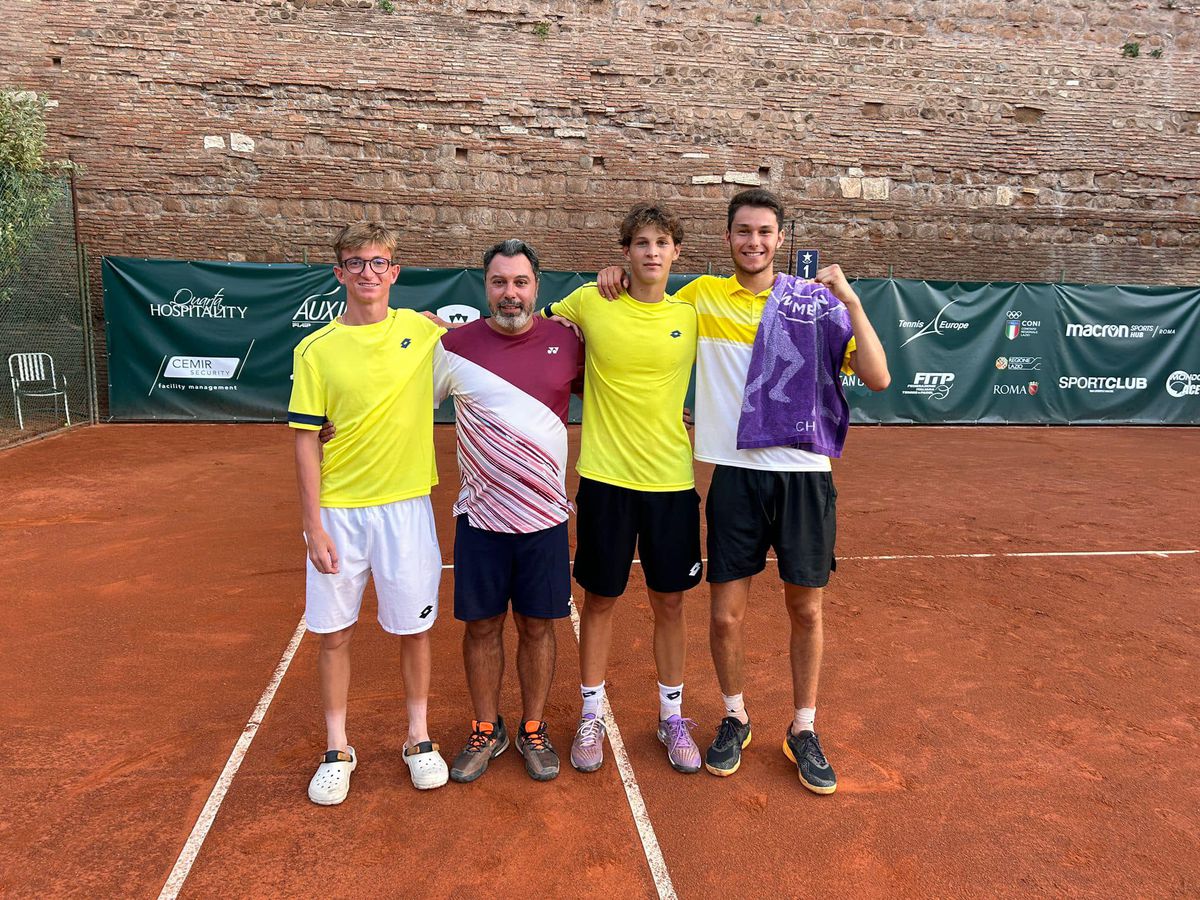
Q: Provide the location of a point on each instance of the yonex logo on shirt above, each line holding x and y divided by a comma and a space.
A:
676, 333
404, 343
551, 350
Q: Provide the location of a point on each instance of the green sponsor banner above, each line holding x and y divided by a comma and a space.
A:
210, 341
1031, 353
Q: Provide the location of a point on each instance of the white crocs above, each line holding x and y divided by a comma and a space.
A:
426, 765
331, 783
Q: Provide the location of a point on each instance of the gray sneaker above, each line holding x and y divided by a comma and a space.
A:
587, 750
541, 761
487, 741
675, 733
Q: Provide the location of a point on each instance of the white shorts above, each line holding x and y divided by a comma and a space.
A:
396, 544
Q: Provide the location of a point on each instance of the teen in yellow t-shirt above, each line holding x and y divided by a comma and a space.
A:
636, 488
365, 507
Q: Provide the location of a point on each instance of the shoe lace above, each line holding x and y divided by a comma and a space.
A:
479, 740
589, 732
537, 740
680, 733
726, 733
812, 749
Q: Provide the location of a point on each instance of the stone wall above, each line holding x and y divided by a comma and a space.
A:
984, 139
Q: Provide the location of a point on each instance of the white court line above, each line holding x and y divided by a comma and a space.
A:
1163, 554
1159, 553
195, 840
637, 806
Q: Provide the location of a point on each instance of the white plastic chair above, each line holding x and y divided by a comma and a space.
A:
32, 375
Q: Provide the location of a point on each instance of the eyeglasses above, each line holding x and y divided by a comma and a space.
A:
354, 265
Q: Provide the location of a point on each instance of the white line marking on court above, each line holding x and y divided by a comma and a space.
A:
195, 840
1161, 554
637, 806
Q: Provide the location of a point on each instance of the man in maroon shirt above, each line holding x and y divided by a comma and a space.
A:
511, 376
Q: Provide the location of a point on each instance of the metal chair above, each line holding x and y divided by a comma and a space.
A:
32, 375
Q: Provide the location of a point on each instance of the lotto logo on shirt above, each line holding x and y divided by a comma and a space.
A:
404, 343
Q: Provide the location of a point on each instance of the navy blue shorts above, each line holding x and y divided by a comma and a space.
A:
493, 567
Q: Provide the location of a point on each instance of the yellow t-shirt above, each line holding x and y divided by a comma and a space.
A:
728, 316
375, 383
637, 364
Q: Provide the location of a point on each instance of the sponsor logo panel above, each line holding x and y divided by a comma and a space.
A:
199, 372
1023, 389
1016, 325
941, 324
1183, 384
318, 309
218, 367
185, 304
1101, 384
931, 385
1122, 330
458, 313
1019, 363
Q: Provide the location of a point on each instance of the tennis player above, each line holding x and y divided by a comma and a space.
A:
636, 487
365, 504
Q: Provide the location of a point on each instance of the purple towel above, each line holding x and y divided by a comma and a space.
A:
793, 394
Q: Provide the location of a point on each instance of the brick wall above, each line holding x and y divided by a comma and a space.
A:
985, 139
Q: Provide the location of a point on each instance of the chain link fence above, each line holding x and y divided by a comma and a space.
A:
45, 318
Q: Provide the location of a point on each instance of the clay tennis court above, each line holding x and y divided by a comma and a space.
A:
1008, 695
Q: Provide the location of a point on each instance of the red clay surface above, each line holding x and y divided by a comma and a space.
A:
1000, 726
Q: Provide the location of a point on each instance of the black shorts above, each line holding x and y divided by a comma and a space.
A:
492, 567
749, 510
664, 526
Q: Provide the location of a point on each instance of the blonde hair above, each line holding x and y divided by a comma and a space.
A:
361, 234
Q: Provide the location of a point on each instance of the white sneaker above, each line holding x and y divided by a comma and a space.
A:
331, 783
426, 765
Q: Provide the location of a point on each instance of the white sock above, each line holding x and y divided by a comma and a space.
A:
593, 699
670, 700
735, 706
805, 720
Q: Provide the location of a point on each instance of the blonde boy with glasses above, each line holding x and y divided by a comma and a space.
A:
365, 504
